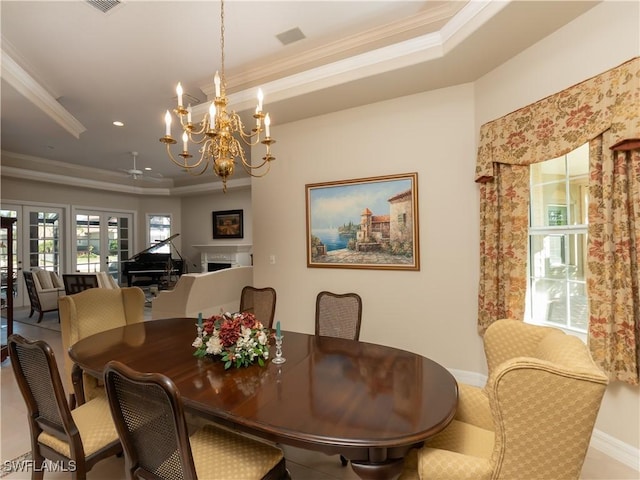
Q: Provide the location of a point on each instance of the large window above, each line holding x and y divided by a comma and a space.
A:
558, 241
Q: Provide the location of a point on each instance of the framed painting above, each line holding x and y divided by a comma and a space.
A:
364, 223
228, 224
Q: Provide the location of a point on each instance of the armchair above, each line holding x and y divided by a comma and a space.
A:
533, 419
92, 311
44, 287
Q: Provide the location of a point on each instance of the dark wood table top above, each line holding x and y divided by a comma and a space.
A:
368, 402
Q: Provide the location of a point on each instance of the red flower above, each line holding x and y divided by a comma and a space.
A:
248, 320
230, 331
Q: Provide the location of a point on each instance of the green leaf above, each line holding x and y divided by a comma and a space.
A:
227, 364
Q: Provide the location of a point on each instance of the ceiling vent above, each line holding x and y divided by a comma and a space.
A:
103, 5
290, 36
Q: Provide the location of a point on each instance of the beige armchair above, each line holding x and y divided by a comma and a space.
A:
92, 311
533, 419
44, 287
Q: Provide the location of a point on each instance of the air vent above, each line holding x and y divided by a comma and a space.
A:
290, 36
103, 5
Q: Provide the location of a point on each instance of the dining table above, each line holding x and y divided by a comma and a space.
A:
369, 403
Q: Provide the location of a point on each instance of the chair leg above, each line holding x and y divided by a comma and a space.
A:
31, 313
40, 317
344, 461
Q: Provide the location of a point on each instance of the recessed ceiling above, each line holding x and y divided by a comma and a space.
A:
69, 70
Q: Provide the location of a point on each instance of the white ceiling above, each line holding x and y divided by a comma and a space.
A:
69, 70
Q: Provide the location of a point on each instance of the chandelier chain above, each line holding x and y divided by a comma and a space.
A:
222, 32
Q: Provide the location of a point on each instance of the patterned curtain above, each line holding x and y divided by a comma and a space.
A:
613, 280
504, 220
547, 129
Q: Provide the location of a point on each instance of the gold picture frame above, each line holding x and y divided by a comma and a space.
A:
369, 223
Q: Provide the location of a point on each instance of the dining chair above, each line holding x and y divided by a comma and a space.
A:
261, 302
338, 315
87, 313
82, 436
525, 422
149, 416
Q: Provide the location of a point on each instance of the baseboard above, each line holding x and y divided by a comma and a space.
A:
616, 449
610, 446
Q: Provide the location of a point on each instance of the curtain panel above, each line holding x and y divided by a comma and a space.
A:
605, 111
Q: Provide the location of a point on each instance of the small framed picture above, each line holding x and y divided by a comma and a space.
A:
228, 224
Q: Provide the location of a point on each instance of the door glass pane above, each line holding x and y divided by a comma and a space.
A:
88, 243
44, 240
118, 240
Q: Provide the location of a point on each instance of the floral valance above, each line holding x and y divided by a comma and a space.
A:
560, 123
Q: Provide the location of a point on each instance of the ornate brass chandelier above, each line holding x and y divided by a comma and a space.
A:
220, 133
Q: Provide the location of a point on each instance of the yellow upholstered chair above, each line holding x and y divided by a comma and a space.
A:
92, 311
533, 419
84, 435
150, 419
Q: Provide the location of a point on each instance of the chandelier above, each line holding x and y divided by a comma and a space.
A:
221, 134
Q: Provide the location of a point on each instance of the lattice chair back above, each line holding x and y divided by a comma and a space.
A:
149, 417
85, 435
338, 315
261, 302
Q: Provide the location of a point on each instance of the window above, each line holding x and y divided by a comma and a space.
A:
558, 241
159, 229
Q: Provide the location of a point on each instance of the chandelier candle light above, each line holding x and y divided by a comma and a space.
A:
220, 133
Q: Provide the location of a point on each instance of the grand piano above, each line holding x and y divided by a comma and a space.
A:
151, 268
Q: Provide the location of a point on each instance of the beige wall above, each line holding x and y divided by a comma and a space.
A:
602, 38
433, 311
197, 222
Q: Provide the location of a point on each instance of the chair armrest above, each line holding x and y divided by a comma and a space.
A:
48, 298
473, 407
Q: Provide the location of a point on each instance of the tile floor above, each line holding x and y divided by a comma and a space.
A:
303, 465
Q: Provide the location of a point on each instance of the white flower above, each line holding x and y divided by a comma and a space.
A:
214, 346
197, 343
263, 338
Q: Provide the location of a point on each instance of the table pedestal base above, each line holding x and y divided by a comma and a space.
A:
378, 471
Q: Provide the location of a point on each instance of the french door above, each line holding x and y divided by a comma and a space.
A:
101, 241
38, 242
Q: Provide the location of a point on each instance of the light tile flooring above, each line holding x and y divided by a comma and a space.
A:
303, 465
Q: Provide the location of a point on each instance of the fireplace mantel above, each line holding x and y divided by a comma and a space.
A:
237, 254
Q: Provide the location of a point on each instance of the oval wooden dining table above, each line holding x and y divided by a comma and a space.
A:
371, 403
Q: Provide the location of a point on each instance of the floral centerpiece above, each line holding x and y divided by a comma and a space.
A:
239, 339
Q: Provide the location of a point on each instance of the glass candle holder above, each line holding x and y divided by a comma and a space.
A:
279, 359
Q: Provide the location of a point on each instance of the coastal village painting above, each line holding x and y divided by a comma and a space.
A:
364, 223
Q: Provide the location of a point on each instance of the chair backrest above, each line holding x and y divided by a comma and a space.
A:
338, 315
78, 282
96, 310
149, 417
38, 378
261, 302
30, 283
535, 376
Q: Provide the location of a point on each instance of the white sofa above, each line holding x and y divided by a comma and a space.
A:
206, 293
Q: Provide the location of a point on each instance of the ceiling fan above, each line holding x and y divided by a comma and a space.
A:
137, 173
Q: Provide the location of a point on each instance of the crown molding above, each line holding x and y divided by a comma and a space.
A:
24, 83
398, 55
326, 53
81, 182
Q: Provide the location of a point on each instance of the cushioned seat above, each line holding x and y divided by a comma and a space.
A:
84, 435
532, 420
44, 288
149, 416
92, 311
